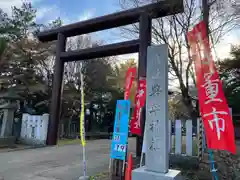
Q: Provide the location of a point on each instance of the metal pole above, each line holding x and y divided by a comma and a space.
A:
205, 14
84, 163
145, 26
56, 92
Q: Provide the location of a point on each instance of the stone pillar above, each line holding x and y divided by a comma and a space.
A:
157, 155
8, 118
44, 127
24, 126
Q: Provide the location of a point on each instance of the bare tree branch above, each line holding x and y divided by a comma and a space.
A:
172, 30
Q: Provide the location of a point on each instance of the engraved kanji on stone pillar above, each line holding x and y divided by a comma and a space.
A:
157, 109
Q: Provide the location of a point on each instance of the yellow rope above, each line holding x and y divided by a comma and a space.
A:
82, 128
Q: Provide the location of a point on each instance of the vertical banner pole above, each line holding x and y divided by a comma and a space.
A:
213, 170
123, 167
84, 163
82, 124
141, 160
130, 76
110, 168
143, 146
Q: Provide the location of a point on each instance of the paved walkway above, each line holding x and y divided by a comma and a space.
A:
56, 163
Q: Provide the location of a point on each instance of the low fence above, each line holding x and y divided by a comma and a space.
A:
186, 143
184, 138
237, 132
34, 129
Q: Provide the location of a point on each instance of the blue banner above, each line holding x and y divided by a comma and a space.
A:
120, 134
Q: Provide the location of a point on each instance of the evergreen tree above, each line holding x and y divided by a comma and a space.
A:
230, 73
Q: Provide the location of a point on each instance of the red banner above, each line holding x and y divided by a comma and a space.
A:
213, 105
131, 73
140, 99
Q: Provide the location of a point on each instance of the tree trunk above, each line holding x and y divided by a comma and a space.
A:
69, 127
89, 127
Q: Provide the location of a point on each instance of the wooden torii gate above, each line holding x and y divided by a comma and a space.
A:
143, 15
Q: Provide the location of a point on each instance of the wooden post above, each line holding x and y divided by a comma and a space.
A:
205, 13
145, 26
56, 92
117, 173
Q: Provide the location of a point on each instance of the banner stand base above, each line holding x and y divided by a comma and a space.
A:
84, 178
142, 174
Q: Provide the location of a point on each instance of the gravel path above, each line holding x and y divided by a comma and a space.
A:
56, 163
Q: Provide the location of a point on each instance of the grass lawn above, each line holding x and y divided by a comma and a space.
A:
62, 142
